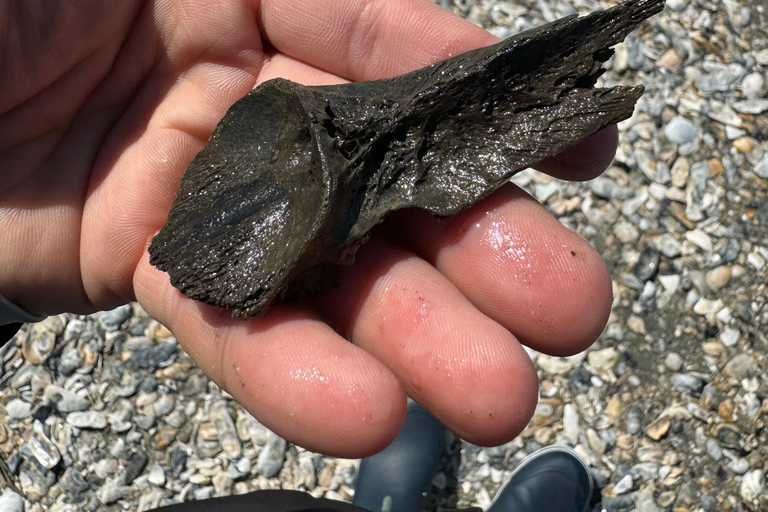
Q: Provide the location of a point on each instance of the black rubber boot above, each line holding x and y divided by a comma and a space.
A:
554, 479
401, 472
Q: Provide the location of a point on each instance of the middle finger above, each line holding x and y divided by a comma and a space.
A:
463, 367
520, 266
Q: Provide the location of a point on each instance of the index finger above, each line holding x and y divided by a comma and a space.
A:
368, 39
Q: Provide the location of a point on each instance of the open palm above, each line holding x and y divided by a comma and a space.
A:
104, 104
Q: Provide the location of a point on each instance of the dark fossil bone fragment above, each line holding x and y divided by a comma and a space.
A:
294, 177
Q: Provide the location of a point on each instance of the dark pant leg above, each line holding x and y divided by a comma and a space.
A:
404, 469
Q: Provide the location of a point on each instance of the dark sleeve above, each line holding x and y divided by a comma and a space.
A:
264, 501
7, 332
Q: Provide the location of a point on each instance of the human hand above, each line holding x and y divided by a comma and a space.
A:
102, 107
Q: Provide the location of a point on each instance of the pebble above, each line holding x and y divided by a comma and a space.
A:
670, 60
761, 169
733, 133
624, 485
679, 173
677, 5
670, 283
251, 429
571, 423
596, 443
546, 190
719, 77
644, 502
752, 484
709, 399
730, 337
153, 356
680, 130
634, 420
738, 466
271, 458
70, 361
752, 85
242, 467
700, 173
72, 482
723, 113
555, 365
707, 306
623, 503
150, 499
112, 320
110, 493
731, 251
607, 188
754, 106
713, 450
605, 359
156, 475
164, 405
636, 58
64, 400
207, 441
666, 499
713, 348
225, 430
647, 264
729, 436
636, 324
688, 383
35, 483
740, 367
673, 361
23, 376
18, 409
87, 419
708, 504
755, 261
144, 421
135, 466
626, 232
74, 329
700, 239
669, 246
46, 453
718, 277
178, 460
11, 502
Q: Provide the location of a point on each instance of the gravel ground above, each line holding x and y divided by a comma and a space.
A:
106, 412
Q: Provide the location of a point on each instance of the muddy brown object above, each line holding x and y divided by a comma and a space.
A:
294, 178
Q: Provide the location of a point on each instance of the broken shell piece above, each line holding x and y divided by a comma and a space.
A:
658, 428
294, 178
38, 344
728, 436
